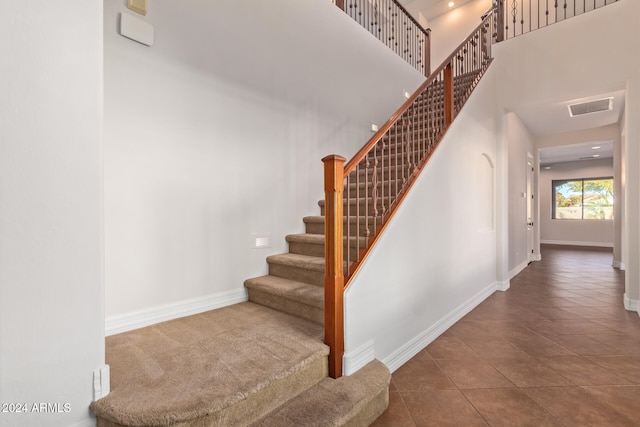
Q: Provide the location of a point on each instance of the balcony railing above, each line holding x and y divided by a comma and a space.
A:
390, 22
523, 16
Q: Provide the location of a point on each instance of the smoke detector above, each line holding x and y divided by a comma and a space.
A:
604, 104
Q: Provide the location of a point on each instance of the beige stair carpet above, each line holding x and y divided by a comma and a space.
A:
224, 367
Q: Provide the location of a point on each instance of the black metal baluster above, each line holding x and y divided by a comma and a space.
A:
522, 18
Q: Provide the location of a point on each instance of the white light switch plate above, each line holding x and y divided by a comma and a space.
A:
136, 29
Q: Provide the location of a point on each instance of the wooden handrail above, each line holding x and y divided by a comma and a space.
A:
351, 164
354, 219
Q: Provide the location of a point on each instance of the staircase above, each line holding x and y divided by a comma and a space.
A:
241, 365
263, 362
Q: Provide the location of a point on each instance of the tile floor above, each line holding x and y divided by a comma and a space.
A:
557, 349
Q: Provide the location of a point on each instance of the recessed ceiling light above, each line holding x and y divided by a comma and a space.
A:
596, 155
451, 4
597, 147
547, 167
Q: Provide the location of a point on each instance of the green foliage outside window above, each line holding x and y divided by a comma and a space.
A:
583, 199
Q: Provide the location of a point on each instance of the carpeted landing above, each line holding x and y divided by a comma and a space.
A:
241, 365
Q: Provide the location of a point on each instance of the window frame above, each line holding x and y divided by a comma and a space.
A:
558, 182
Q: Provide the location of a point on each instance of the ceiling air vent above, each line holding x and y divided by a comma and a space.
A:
605, 104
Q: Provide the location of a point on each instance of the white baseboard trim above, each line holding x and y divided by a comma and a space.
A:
619, 265
503, 286
572, 243
513, 273
138, 319
413, 347
352, 361
631, 304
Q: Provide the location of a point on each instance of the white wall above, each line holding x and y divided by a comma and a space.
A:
437, 258
217, 131
584, 61
520, 144
450, 29
51, 201
573, 232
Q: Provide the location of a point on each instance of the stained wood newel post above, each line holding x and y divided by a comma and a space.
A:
448, 95
334, 274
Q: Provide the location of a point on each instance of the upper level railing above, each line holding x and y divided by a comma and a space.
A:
523, 16
390, 22
362, 196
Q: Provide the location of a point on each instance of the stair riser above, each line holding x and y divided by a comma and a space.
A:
314, 228
318, 228
318, 249
382, 192
363, 208
295, 308
296, 273
309, 249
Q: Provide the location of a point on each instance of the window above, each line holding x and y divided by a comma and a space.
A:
587, 198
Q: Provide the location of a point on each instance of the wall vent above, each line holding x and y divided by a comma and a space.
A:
604, 104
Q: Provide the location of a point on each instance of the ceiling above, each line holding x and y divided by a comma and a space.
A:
553, 118
430, 9
571, 153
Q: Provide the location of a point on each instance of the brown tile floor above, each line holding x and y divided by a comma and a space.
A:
557, 349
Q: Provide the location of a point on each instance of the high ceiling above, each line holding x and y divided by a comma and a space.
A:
553, 118
430, 9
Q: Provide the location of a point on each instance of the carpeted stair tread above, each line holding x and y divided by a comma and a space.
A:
315, 239
356, 400
290, 289
298, 261
229, 366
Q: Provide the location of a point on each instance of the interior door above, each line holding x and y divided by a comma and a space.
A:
530, 208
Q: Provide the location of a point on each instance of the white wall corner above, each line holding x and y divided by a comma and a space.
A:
631, 304
422, 340
513, 273
142, 318
619, 265
503, 286
101, 382
352, 361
